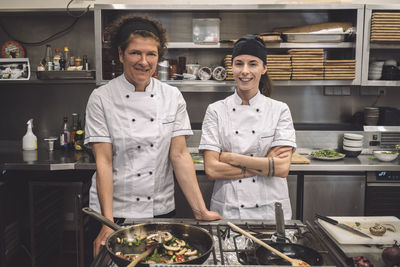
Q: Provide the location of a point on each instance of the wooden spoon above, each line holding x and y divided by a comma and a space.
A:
142, 256
293, 262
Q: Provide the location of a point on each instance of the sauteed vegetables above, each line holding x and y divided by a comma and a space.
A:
326, 153
170, 250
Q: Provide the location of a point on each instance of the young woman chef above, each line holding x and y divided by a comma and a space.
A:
136, 126
247, 140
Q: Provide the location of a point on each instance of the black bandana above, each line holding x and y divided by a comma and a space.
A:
250, 45
138, 24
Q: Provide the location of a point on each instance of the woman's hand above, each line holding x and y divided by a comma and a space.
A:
101, 239
280, 151
206, 215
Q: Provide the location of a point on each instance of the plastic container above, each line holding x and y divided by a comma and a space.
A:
206, 30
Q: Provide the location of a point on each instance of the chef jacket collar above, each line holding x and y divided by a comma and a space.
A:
252, 101
131, 87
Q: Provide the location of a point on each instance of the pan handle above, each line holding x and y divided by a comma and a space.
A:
101, 218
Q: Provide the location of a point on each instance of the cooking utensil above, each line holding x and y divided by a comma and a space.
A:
266, 257
142, 256
293, 262
341, 225
197, 237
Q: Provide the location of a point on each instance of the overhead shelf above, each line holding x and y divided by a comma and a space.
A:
191, 45
385, 46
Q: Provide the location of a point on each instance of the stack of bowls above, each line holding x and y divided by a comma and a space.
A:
371, 115
352, 144
375, 70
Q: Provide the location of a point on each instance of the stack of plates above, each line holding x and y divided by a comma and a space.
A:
228, 67
352, 144
340, 69
279, 67
371, 115
307, 64
385, 27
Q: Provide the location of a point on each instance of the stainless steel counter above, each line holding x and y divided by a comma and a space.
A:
12, 157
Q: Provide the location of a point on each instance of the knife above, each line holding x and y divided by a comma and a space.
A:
341, 225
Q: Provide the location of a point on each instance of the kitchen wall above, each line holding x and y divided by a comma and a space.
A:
47, 103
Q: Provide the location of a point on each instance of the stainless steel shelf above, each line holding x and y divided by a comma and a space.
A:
315, 82
380, 83
203, 86
191, 45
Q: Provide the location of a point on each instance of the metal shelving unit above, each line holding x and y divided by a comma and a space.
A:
368, 46
231, 14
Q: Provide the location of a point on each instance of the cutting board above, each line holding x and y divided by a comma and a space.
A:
299, 159
345, 237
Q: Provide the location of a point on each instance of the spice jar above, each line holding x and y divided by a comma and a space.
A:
78, 61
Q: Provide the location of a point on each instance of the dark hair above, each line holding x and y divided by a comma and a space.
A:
265, 85
122, 29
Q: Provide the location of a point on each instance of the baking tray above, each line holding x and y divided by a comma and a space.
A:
314, 37
66, 75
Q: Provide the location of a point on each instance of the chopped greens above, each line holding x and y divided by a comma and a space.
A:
138, 241
357, 224
389, 152
325, 153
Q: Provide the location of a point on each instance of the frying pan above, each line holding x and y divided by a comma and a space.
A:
197, 237
266, 257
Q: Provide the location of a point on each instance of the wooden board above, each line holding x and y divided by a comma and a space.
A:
345, 237
299, 159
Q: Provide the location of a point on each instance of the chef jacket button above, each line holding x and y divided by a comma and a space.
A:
256, 205
138, 147
151, 119
236, 132
151, 95
251, 155
240, 181
242, 206
151, 145
257, 110
148, 198
133, 119
253, 131
138, 174
234, 109
150, 173
137, 199
127, 96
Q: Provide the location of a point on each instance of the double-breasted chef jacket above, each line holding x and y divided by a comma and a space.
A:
140, 126
250, 130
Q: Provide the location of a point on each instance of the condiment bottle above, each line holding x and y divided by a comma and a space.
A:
78, 61
79, 137
49, 58
66, 56
29, 141
65, 135
85, 62
56, 59
75, 118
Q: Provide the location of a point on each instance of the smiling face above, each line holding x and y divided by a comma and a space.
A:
140, 60
247, 71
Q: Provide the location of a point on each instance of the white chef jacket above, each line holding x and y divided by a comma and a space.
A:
250, 130
140, 126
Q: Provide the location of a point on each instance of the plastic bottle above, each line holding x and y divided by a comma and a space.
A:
85, 62
29, 141
79, 137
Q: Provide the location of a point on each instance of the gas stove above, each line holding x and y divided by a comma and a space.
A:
233, 249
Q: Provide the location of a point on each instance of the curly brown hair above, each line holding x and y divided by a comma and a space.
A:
120, 40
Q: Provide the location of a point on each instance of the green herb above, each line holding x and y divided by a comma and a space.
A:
326, 153
155, 257
372, 157
130, 244
138, 241
389, 152
357, 224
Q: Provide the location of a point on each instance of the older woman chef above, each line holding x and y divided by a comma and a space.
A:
137, 127
247, 140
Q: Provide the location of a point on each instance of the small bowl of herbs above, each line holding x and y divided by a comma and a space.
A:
386, 155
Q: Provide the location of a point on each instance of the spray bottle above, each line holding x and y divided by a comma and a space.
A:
29, 141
